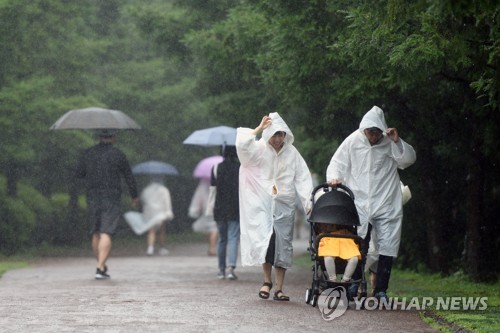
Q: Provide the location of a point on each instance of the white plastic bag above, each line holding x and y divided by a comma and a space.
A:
406, 193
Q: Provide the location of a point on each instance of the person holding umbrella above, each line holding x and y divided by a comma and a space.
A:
226, 211
201, 207
157, 209
272, 174
156, 203
102, 167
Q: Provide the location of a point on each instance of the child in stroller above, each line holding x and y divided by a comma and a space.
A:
331, 248
334, 245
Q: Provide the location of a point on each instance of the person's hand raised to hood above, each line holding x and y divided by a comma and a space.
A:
265, 123
392, 133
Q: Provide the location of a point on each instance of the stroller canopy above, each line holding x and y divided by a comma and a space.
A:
335, 207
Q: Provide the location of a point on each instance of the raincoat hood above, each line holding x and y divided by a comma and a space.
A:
374, 118
278, 125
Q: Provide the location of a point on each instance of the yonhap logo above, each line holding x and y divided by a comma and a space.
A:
333, 303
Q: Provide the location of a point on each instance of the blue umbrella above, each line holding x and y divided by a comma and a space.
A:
155, 167
213, 136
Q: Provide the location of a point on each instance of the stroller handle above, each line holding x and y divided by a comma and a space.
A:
326, 186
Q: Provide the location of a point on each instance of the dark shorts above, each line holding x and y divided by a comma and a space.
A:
271, 249
103, 213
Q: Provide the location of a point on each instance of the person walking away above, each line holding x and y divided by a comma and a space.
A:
272, 173
367, 161
102, 167
226, 211
204, 223
157, 210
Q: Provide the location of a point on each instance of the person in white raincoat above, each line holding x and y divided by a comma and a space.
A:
272, 173
200, 209
157, 211
367, 162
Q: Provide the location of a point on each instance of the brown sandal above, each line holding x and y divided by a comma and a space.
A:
265, 294
282, 297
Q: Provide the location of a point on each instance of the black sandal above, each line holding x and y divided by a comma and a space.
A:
265, 294
282, 297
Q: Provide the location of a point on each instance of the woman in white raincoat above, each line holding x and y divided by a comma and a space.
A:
200, 209
367, 162
157, 211
272, 173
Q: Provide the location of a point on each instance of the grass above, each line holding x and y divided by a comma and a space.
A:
8, 264
410, 284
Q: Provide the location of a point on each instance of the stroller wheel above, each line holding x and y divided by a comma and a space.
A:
308, 295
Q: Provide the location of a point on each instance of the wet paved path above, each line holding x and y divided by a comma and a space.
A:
175, 293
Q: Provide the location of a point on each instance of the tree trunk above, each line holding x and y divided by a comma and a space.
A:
474, 212
434, 250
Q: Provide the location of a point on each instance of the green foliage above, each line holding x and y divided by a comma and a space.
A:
177, 66
409, 284
17, 222
32, 219
63, 229
8, 265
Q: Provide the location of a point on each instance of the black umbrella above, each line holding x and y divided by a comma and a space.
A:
94, 118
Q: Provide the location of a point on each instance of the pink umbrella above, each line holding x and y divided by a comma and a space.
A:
204, 167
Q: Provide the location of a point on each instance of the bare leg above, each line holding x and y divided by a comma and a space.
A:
151, 241
373, 281
103, 250
279, 274
163, 234
266, 269
95, 245
151, 237
212, 242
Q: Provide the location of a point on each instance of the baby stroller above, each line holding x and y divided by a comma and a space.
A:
335, 206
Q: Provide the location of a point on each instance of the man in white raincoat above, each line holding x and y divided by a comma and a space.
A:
367, 162
272, 173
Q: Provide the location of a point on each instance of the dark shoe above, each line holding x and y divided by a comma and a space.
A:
352, 291
231, 275
279, 296
265, 294
221, 275
101, 275
381, 296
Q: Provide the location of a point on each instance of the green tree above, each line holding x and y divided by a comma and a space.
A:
432, 63
434, 69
